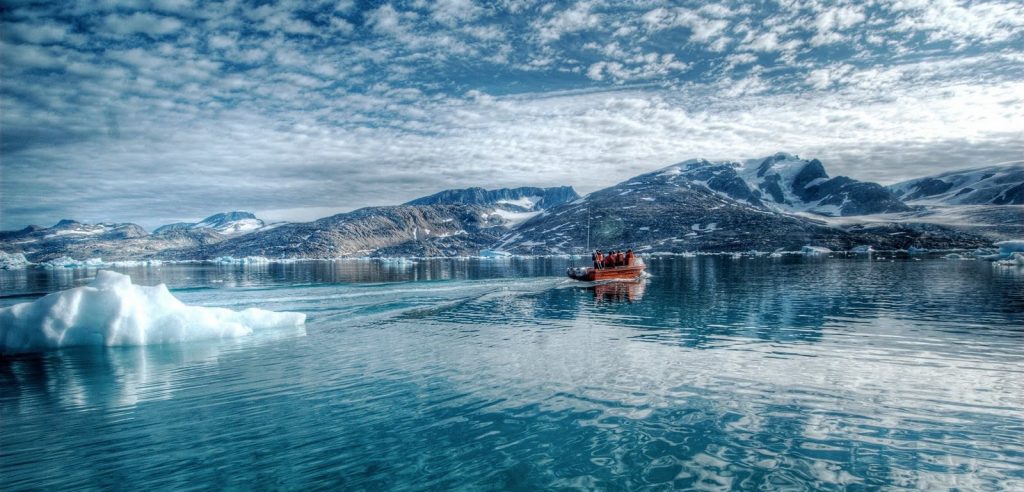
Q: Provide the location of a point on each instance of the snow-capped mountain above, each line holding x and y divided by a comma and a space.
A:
992, 185
228, 224
691, 207
787, 183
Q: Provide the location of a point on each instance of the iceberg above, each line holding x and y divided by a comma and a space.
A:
1009, 252
1008, 248
13, 261
863, 249
112, 311
815, 250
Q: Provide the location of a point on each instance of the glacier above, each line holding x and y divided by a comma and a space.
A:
112, 311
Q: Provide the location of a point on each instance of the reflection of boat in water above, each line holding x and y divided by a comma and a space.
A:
619, 291
591, 274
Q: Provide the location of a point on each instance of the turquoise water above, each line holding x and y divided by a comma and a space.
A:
715, 373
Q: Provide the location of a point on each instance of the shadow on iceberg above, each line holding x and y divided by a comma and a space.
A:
111, 311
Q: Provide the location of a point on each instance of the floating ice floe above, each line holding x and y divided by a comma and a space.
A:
493, 253
112, 311
247, 260
863, 249
815, 250
1008, 248
914, 250
1009, 252
13, 261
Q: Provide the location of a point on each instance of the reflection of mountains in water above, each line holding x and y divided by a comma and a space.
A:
619, 291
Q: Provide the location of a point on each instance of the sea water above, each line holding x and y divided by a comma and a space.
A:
714, 373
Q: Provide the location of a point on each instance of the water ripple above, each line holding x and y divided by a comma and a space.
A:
714, 374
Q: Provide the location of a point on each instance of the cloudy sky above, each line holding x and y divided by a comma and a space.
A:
167, 110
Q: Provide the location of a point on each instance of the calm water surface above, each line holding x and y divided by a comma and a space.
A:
715, 373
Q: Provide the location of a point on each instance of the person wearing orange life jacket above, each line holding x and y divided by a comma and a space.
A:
598, 259
609, 261
629, 257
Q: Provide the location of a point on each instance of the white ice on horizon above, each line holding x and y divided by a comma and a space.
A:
815, 250
112, 311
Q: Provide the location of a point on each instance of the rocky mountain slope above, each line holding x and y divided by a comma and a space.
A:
992, 185
404, 230
523, 199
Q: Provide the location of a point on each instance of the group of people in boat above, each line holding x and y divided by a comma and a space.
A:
613, 259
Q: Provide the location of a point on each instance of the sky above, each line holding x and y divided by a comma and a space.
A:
171, 110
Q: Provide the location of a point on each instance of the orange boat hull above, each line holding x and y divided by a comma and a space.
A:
591, 274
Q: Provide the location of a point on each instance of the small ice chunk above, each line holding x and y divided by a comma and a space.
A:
862, 249
62, 262
113, 311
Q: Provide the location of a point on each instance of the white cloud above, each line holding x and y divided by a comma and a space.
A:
141, 23
452, 12
702, 29
988, 22
824, 78
385, 20
577, 18
37, 33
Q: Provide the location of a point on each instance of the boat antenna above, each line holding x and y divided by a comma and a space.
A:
588, 229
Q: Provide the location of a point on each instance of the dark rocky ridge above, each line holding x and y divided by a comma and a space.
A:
547, 197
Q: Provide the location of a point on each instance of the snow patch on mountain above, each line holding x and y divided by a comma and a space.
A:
228, 224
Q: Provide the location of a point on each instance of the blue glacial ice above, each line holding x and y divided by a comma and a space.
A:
112, 311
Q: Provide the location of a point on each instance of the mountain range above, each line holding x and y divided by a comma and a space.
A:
776, 202
992, 185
